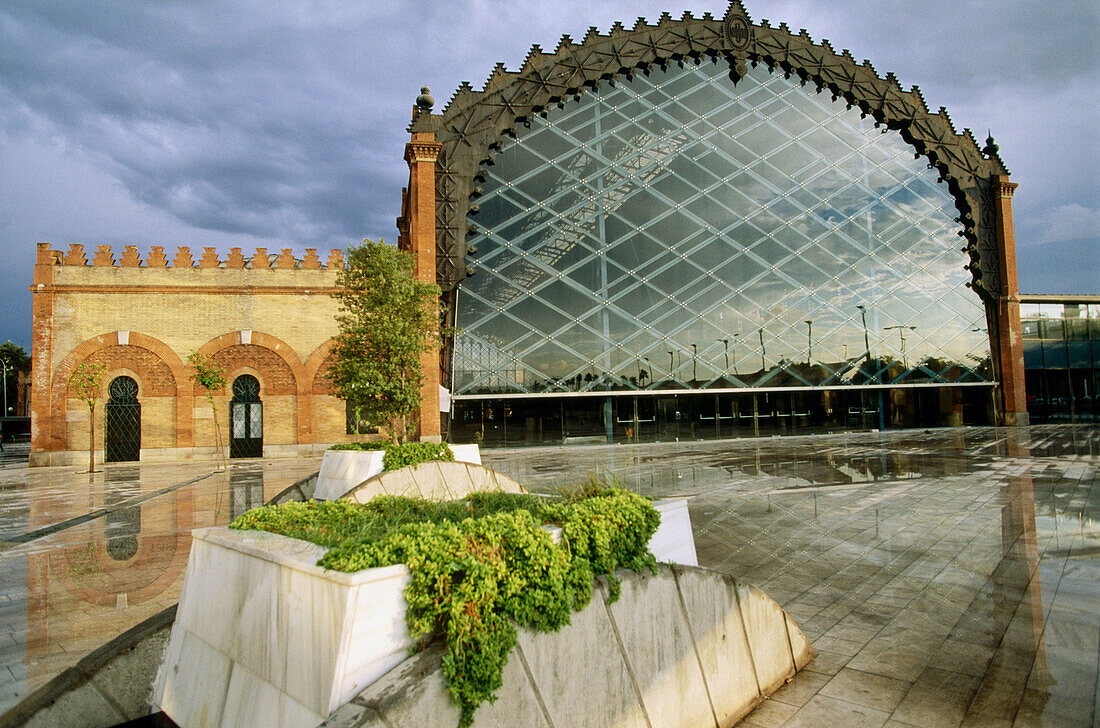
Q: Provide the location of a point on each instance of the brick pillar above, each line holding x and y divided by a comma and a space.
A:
42, 411
1010, 343
421, 154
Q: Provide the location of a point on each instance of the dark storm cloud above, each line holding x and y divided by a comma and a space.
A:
234, 120
282, 123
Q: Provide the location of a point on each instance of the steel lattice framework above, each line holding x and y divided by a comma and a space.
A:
475, 125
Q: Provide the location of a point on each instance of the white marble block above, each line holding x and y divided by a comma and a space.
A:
673, 541
467, 453
342, 470
258, 618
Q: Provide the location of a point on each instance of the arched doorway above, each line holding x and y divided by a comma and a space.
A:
122, 442
246, 419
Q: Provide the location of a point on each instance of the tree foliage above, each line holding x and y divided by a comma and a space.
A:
208, 375
15, 360
387, 319
16, 357
86, 383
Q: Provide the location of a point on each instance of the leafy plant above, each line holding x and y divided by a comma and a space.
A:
15, 359
388, 319
370, 445
398, 455
413, 453
480, 566
86, 383
208, 375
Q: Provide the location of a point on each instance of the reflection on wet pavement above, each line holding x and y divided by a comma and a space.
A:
82, 561
946, 577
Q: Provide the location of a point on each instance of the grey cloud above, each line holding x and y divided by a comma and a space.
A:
283, 121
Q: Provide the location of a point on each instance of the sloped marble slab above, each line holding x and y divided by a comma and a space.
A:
435, 480
683, 648
342, 470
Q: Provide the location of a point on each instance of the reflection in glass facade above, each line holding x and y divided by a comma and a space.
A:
1061, 360
680, 232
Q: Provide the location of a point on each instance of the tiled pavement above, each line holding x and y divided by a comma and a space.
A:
83, 560
946, 578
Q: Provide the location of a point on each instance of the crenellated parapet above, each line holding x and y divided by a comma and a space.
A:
104, 256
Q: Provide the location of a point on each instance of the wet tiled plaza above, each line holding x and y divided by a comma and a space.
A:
946, 578
83, 560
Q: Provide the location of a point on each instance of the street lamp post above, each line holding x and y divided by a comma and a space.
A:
901, 333
694, 370
735, 355
670, 364
763, 351
726, 344
4, 364
810, 341
875, 379
866, 339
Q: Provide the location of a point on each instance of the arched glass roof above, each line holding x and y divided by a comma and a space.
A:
677, 231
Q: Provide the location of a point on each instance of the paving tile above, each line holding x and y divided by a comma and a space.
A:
865, 688
801, 688
768, 714
828, 663
936, 704
825, 711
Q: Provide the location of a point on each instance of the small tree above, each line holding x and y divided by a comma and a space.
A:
86, 383
387, 319
208, 375
15, 359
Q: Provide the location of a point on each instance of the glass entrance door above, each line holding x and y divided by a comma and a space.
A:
122, 441
246, 419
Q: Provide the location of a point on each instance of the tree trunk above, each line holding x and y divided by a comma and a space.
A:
219, 457
91, 438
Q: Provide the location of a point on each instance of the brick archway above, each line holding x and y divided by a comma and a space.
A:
52, 434
315, 365
301, 381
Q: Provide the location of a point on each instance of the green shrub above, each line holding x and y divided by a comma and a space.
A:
413, 453
398, 455
374, 445
480, 565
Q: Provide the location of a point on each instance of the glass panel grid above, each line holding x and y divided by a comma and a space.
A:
679, 231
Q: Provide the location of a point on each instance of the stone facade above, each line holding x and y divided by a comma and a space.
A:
271, 316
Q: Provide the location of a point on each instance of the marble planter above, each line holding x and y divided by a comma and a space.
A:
342, 470
266, 638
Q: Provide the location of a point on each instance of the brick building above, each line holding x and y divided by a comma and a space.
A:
268, 321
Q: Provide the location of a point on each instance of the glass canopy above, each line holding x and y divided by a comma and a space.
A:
678, 231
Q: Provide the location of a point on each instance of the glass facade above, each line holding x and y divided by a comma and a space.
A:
679, 233
1061, 360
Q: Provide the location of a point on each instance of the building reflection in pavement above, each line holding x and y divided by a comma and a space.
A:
91, 582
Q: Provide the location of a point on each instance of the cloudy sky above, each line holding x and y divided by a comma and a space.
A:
280, 123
